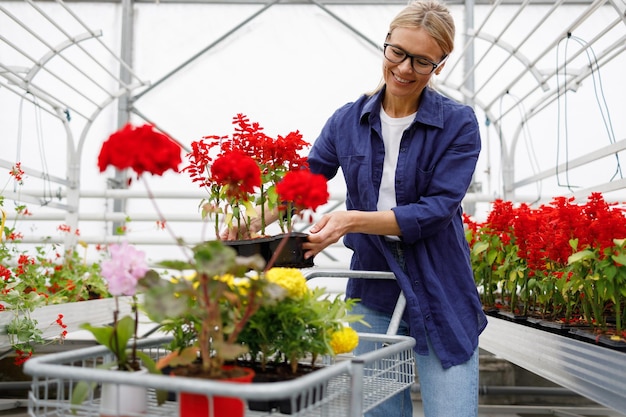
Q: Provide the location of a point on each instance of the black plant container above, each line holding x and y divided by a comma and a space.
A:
284, 405
251, 247
290, 251
291, 254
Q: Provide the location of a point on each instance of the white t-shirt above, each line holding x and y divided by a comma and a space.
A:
392, 129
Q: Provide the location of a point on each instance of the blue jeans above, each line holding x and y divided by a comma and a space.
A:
451, 392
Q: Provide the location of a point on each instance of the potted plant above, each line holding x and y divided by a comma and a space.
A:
122, 271
242, 174
206, 311
306, 325
301, 326
560, 265
40, 287
228, 322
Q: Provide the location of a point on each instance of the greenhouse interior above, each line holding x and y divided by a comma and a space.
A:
546, 82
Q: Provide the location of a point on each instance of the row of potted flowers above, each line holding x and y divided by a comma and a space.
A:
562, 262
30, 280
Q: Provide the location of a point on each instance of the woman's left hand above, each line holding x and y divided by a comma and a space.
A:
328, 230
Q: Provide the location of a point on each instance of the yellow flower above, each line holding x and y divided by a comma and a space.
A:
344, 340
191, 278
228, 279
291, 279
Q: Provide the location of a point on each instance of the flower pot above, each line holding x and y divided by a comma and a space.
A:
250, 247
198, 405
118, 400
290, 253
600, 338
282, 372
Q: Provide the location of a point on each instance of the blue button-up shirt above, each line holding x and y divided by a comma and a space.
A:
438, 155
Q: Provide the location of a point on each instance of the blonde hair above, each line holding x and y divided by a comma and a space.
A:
430, 15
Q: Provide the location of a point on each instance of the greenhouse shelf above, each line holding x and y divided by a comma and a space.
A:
348, 387
96, 312
593, 371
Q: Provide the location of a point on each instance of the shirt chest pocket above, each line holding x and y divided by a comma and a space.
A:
423, 179
357, 173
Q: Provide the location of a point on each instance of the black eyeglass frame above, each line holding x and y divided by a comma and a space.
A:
408, 55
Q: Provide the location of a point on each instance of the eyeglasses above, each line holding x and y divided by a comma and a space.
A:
420, 64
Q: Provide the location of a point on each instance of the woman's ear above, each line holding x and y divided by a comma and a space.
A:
439, 68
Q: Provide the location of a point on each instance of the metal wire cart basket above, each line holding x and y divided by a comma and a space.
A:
348, 387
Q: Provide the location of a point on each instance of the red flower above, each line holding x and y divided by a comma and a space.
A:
140, 148
303, 189
237, 171
220, 164
17, 172
22, 356
5, 273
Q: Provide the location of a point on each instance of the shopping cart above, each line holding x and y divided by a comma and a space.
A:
347, 386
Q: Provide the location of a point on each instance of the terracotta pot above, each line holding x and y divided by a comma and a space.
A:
197, 405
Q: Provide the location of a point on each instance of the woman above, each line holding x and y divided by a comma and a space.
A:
408, 155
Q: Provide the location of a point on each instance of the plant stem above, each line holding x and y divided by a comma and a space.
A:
163, 219
262, 210
114, 339
618, 315
136, 310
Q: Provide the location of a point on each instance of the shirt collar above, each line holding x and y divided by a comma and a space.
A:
430, 111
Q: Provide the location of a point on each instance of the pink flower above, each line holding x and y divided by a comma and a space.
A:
125, 267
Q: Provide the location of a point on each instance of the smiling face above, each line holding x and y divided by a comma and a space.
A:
404, 85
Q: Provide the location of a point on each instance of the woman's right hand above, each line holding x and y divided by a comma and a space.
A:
235, 233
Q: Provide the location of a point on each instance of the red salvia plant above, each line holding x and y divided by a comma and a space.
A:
275, 157
558, 260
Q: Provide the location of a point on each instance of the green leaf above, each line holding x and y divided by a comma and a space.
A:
580, 256
83, 388
479, 247
214, 258
491, 256
620, 259
150, 365
115, 337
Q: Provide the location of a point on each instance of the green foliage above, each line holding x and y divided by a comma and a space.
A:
297, 328
204, 311
44, 275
